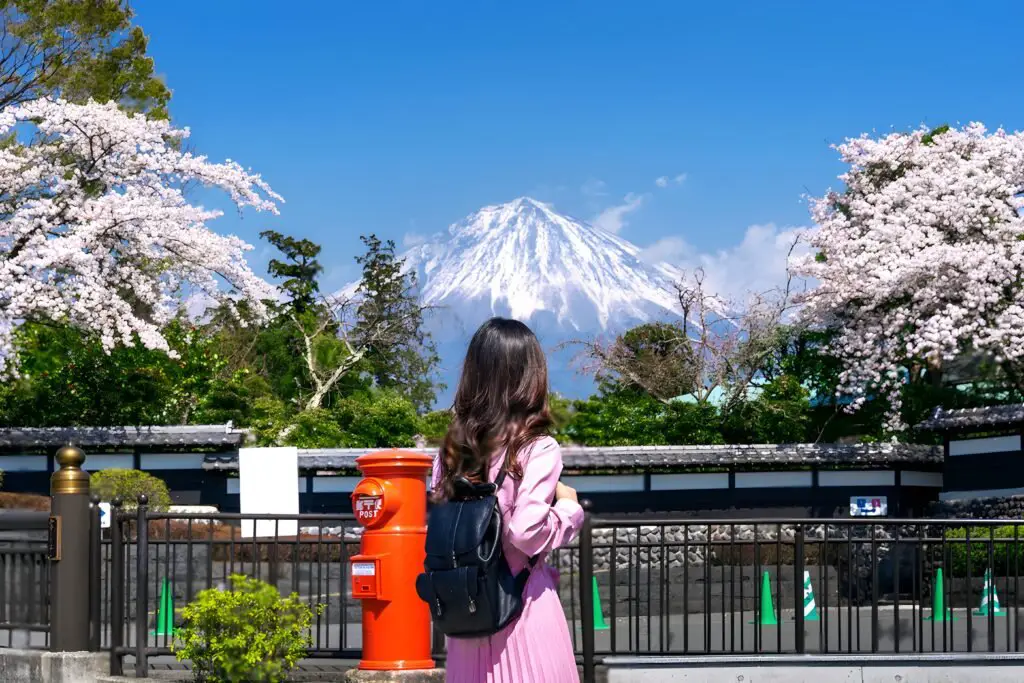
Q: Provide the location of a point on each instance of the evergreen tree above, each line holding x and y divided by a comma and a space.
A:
406, 359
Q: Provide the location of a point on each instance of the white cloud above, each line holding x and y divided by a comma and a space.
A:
668, 250
664, 181
413, 239
613, 218
757, 265
594, 187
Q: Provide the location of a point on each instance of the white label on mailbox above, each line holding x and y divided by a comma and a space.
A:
363, 569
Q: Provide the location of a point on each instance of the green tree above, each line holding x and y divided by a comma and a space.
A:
406, 358
77, 50
618, 417
377, 419
298, 272
780, 413
434, 425
68, 379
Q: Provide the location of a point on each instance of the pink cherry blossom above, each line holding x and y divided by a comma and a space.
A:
96, 230
921, 258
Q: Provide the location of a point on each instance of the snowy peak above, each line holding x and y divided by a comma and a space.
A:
523, 258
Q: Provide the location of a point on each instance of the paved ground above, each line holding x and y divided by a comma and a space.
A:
837, 631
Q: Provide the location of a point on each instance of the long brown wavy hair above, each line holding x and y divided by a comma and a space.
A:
501, 402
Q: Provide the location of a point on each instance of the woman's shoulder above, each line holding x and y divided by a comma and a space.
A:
542, 446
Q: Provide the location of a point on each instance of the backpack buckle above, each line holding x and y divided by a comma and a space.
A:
472, 606
439, 607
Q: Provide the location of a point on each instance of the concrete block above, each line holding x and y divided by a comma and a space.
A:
75, 667
416, 676
943, 674
21, 666
736, 674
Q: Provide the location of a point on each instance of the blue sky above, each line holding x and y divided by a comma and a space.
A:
402, 117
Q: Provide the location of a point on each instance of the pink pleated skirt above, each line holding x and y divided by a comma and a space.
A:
536, 648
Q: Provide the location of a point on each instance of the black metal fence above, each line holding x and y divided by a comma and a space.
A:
818, 587
24, 579
630, 587
159, 561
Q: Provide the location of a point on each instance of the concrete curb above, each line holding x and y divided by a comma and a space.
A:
39, 666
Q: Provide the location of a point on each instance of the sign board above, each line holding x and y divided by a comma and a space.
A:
868, 506
368, 508
266, 486
53, 538
104, 515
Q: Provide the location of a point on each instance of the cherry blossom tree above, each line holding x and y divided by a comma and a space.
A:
921, 258
96, 230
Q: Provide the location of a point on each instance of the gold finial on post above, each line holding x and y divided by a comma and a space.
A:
70, 478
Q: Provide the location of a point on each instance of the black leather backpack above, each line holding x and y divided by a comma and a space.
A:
466, 579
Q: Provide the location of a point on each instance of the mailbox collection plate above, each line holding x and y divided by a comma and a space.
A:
364, 569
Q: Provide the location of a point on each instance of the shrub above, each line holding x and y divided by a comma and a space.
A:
1007, 557
129, 484
248, 633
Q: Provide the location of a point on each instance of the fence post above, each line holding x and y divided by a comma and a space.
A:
117, 588
95, 583
69, 553
586, 546
142, 589
798, 586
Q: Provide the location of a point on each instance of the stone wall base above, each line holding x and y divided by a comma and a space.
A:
417, 676
38, 666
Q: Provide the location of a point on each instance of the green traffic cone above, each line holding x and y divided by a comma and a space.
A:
768, 617
599, 623
165, 614
939, 611
989, 598
810, 609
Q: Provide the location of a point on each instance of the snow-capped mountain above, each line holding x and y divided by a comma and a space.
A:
522, 259
566, 278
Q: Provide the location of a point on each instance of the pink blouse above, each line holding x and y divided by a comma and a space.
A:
535, 524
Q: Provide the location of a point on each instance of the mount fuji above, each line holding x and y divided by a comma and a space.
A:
564, 277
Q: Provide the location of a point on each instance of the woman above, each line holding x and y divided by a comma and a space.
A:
501, 418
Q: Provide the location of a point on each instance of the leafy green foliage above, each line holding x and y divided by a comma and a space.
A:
618, 417
779, 414
128, 485
299, 270
1007, 556
248, 633
77, 50
377, 419
67, 379
434, 425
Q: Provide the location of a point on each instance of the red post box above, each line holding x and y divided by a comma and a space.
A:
391, 504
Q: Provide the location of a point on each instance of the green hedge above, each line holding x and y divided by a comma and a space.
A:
1006, 558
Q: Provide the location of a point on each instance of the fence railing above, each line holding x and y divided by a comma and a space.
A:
685, 587
801, 586
24, 579
159, 561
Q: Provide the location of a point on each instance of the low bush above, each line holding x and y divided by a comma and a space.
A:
129, 485
24, 501
247, 633
1007, 558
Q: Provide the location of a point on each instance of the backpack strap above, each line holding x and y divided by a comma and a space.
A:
498, 481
